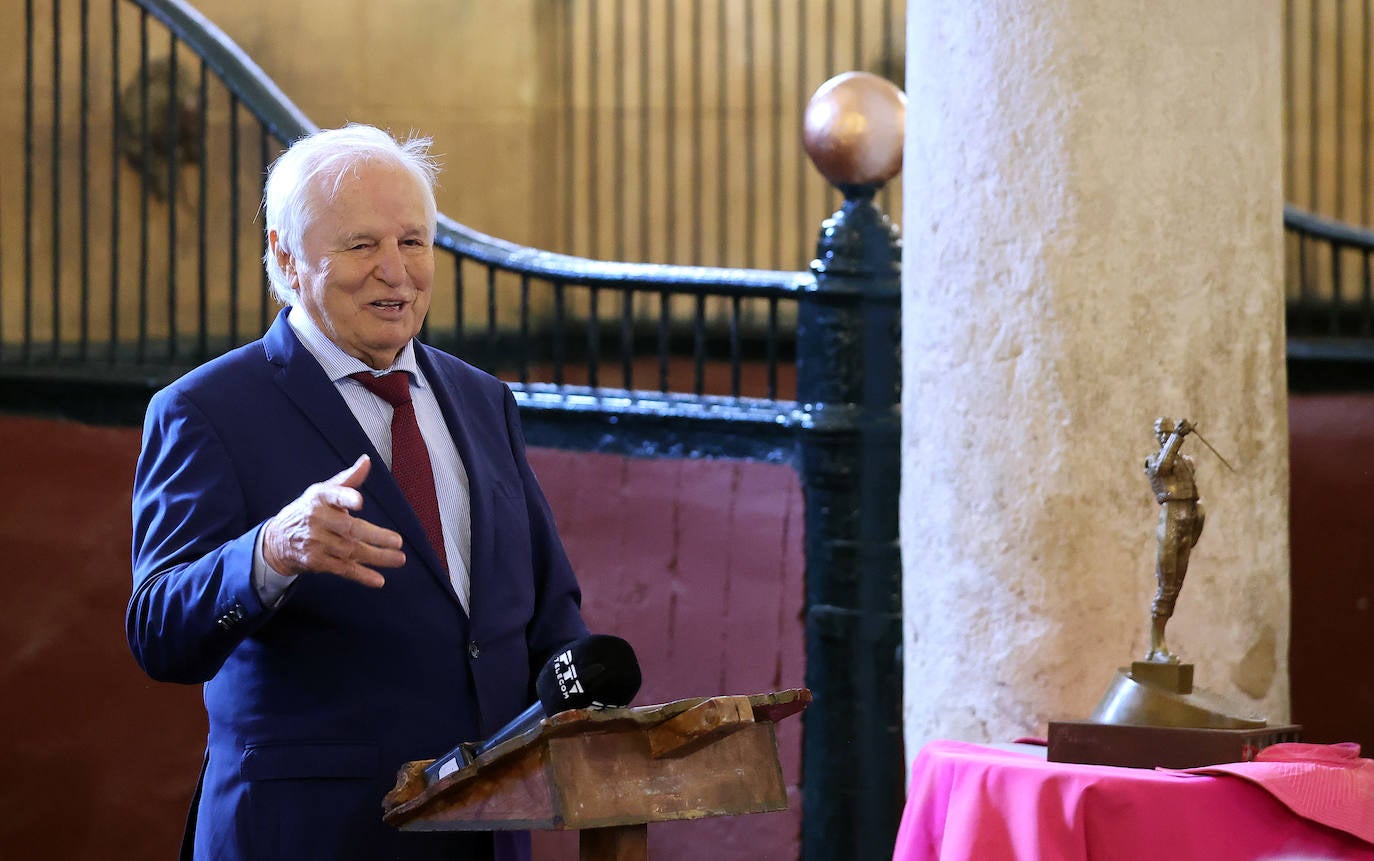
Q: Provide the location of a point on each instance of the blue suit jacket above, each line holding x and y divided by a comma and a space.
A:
313, 705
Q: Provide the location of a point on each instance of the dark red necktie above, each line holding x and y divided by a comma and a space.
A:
409, 457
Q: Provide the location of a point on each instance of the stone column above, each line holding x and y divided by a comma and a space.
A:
1092, 239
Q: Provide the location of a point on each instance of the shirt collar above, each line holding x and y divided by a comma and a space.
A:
336, 363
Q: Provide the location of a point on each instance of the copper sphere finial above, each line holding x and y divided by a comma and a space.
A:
854, 127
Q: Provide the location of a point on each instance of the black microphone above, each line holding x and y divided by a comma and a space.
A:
599, 670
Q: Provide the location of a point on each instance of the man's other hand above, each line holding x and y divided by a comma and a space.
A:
318, 533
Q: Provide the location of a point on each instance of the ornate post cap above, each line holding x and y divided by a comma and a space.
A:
854, 128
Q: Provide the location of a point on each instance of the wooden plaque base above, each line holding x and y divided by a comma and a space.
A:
1092, 743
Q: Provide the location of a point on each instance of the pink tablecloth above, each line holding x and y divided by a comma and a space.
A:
972, 803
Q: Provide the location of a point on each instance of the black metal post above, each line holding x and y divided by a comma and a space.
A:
849, 381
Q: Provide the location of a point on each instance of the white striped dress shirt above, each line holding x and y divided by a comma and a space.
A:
374, 414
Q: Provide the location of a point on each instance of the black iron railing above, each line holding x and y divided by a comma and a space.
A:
1330, 303
1331, 277
1328, 54
142, 171
167, 271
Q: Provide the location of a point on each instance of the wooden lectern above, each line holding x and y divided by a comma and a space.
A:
610, 772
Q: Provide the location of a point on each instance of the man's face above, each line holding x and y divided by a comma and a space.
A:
367, 262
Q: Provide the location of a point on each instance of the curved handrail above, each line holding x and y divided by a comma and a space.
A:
241, 75
583, 270
1328, 229
287, 122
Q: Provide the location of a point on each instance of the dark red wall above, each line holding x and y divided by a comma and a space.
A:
1332, 540
96, 757
697, 563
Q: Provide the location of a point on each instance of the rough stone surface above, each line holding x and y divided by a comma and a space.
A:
1092, 239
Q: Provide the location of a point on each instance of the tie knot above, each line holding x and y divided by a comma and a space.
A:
393, 387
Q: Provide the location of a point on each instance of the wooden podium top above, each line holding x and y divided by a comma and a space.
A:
607, 768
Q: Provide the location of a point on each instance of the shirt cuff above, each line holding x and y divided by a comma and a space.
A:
270, 586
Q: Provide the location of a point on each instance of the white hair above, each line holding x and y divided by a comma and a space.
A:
323, 159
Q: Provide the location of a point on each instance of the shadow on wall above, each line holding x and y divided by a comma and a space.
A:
697, 563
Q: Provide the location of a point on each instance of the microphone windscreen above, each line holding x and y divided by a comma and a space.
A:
596, 670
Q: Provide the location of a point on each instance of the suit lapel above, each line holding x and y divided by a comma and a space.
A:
450, 393
303, 381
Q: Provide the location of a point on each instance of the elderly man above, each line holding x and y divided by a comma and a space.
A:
336, 531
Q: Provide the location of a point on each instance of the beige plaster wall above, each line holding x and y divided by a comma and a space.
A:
1092, 239
462, 72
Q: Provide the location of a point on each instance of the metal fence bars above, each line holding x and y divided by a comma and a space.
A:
674, 123
1330, 302
1328, 53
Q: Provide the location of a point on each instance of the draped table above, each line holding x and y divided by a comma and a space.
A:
968, 802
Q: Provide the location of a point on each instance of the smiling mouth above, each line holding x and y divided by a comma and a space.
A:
388, 304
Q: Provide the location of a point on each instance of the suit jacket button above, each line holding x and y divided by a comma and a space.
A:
474, 650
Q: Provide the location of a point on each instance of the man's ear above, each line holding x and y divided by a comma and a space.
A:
284, 258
